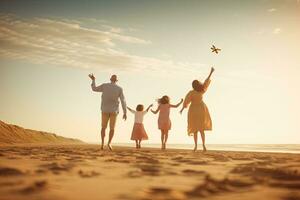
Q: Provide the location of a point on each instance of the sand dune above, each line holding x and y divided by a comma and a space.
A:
84, 171
12, 134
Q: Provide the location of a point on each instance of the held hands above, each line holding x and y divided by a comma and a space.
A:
176, 106
92, 76
149, 107
154, 111
181, 110
182, 106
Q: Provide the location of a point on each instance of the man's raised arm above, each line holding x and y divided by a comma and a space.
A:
93, 85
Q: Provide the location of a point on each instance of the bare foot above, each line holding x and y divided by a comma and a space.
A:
102, 146
110, 147
136, 146
204, 148
139, 146
195, 149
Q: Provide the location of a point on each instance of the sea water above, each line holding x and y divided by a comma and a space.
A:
278, 148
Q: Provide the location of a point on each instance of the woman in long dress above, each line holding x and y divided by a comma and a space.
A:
198, 115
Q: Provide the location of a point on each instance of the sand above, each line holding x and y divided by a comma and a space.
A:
13, 134
85, 172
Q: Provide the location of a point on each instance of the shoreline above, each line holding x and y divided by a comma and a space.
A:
146, 147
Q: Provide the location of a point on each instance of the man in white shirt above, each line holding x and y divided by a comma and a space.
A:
111, 93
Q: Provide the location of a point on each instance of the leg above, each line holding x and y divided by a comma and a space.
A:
166, 137
162, 138
195, 140
104, 121
112, 124
111, 135
203, 140
102, 137
140, 143
136, 144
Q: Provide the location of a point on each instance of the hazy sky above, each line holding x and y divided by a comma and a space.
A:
47, 49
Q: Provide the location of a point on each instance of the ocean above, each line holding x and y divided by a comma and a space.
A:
278, 148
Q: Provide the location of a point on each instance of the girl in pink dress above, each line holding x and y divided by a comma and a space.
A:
164, 122
138, 133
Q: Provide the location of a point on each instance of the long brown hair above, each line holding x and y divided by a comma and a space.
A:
197, 86
164, 100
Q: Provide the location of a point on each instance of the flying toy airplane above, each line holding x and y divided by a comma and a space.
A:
215, 49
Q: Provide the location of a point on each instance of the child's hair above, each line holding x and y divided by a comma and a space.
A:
197, 86
164, 100
139, 107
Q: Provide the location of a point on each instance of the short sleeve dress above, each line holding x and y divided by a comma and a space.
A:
138, 131
198, 114
164, 122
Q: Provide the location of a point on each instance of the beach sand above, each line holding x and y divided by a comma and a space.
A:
85, 172
13, 134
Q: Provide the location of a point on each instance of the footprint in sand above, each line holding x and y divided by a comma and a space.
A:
274, 177
212, 186
292, 196
56, 168
76, 158
146, 159
118, 160
11, 183
37, 186
163, 193
145, 170
254, 171
40, 171
88, 174
8, 171
193, 172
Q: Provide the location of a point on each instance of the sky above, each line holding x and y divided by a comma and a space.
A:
48, 48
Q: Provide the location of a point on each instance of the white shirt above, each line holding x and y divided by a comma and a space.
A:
138, 116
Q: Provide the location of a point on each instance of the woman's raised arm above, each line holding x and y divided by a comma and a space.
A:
211, 71
207, 80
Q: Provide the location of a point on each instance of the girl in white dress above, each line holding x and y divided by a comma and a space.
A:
138, 133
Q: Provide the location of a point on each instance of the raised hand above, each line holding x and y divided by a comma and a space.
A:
211, 71
92, 76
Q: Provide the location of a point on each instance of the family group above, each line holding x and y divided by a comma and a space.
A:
198, 117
